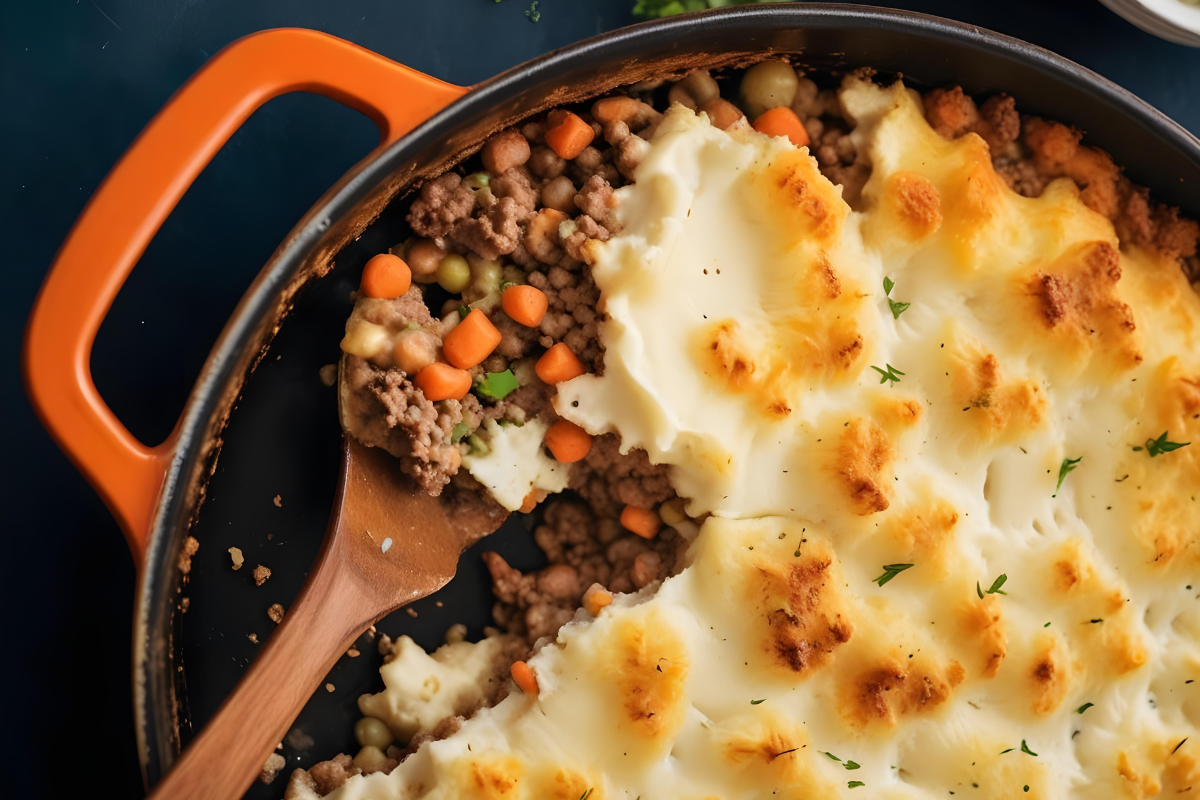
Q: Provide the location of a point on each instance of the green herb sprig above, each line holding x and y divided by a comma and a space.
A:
995, 587
1066, 468
1156, 447
890, 374
654, 9
897, 308
890, 571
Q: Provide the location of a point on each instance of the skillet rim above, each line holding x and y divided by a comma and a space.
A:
230, 362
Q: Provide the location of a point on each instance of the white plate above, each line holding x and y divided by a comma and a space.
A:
1174, 20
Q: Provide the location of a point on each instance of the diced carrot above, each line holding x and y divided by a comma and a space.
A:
567, 134
644, 522
559, 364
782, 121
596, 599
524, 677
471, 341
440, 381
529, 503
568, 442
525, 304
386, 276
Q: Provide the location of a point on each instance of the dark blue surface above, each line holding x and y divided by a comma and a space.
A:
78, 80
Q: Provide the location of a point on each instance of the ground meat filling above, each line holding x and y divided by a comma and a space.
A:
534, 216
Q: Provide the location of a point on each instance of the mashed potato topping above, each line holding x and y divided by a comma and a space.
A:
948, 549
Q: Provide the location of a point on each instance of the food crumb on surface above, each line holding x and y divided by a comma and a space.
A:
235, 553
252, 637
275, 612
329, 687
328, 374
412, 612
353, 652
261, 574
298, 739
387, 544
273, 766
278, 501
438, 604
184, 604
190, 546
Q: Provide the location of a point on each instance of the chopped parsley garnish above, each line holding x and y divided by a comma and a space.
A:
756, 702
533, 13
1026, 787
897, 308
586, 794
1084, 708
995, 588
852, 765
463, 311
854, 784
1025, 749
1181, 741
835, 758
460, 430
497, 385
1009, 750
505, 284
1068, 466
890, 571
890, 374
1156, 447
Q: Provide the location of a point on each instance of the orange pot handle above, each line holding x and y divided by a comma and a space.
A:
132, 203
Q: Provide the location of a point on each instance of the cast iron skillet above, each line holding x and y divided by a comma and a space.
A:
283, 439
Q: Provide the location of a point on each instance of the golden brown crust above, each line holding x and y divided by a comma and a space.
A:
916, 202
863, 464
810, 625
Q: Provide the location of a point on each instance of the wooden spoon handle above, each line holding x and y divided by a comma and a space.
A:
228, 754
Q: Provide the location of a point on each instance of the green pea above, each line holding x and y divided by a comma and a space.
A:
453, 273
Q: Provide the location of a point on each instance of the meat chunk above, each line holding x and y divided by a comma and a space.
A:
384, 409
442, 203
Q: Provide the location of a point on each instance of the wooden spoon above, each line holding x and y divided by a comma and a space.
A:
388, 544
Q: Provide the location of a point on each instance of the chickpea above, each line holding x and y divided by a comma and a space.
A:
414, 351
424, 257
370, 759
485, 276
371, 732
722, 113
545, 163
768, 85
695, 90
504, 151
453, 273
365, 340
559, 194
805, 103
